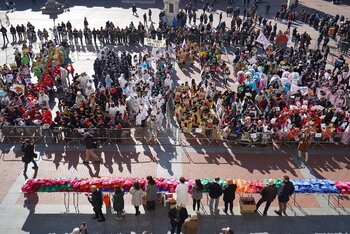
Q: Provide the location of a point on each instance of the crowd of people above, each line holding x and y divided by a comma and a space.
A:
178, 214
281, 91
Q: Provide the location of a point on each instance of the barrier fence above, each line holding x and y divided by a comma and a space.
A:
278, 139
172, 135
17, 134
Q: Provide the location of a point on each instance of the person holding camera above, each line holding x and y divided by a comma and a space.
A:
96, 200
29, 155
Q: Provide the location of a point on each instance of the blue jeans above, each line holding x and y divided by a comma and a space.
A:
26, 166
214, 200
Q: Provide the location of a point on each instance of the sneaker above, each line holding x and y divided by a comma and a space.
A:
85, 162
277, 212
35, 168
231, 211
225, 211
285, 213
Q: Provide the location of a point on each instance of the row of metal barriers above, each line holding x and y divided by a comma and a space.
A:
252, 139
185, 136
39, 134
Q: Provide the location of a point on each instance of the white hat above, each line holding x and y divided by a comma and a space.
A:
79, 93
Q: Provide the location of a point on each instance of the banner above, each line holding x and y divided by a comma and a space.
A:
263, 40
155, 43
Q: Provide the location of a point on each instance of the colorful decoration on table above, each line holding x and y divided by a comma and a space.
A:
343, 187
169, 185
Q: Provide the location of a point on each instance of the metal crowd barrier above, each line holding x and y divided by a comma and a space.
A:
252, 139
17, 134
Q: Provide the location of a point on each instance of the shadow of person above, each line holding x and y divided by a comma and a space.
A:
31, 201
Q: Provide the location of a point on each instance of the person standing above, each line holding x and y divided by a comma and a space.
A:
4, 34
286, 190
151, 194
197, 194
29, 155
136, 197
304, 143
229, 195
96, 200
215, 191
191, 224
182, 192
177, 215
118, 202
13, 33
149, 15
268, 194
89, 151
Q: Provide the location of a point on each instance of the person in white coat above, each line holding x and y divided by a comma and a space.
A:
182, 193
136, 196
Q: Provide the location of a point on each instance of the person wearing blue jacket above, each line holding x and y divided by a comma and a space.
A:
286, 190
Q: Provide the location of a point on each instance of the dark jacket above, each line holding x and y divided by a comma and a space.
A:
118, 201
89, 141
215, 190
28, 150
96, 199
180, 215
229, 192
269, 193
286, 190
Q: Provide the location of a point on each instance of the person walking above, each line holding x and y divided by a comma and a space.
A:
118, 202
96, 200
134, 10
13, 33
89, 151
197, 194
268, 194
229, 195
286, 190
182, 192
215, 191
136, 197
177, 215
151, 194
191, 224
28, 157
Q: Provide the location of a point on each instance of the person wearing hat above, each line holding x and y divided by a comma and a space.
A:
96, 200
177, 215
191, 224
29, 155
229, 195
268, 194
